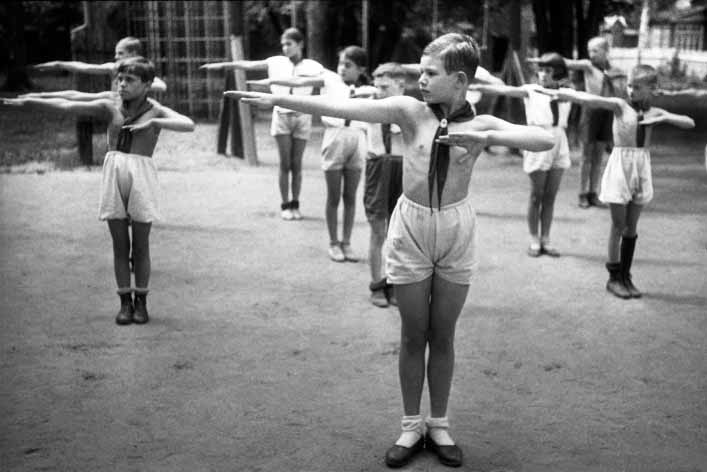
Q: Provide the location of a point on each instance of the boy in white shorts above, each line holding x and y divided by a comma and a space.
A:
545, 168
627, 184
129, 182
431, 233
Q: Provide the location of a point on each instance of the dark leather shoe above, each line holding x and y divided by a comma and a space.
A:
451, 456
398, 456
594, 200
584, 201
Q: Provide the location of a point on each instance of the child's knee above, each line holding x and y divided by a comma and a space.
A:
414, 342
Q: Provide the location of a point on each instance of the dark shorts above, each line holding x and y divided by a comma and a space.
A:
383, 185
595, 125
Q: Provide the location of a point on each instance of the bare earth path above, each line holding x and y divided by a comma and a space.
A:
262, 355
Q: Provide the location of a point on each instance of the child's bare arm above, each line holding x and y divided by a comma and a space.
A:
243, 65
102, 108
389, 110
691, 92
506, 90
77, 66
166, 119
491, 131
658, 115
71, 95
300, 81
588, 99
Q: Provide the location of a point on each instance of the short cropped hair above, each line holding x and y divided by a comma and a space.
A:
646, 74
138, 66
294, 34
390, 69
132, 45
458, 52
600, 40
556, 62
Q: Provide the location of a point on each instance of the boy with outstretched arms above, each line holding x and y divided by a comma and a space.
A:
129, 185
595, 125
432, 229
627, 183
125, 48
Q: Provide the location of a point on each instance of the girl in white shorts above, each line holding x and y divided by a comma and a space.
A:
544, 168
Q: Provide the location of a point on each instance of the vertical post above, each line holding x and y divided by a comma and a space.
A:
293, 14
364, 24
643, 29
247, 131
435, 8
84, 124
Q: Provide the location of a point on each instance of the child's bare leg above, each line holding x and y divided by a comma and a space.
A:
537, 191
595, 169
121, 251
333, 187
414, 306
351, 179
375, 247
447, 301
618, 224
298, 146
588, 153
284, 149
141, 253
552, 185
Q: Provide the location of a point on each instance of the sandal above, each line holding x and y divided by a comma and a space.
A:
550, 251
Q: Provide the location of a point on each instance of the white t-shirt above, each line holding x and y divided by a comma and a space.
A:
375, 139
538, 111
335, 88
281, 67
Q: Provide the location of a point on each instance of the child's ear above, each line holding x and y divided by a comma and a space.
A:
463, 78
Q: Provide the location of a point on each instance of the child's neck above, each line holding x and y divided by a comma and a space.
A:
453, 105
296, 59
132, 106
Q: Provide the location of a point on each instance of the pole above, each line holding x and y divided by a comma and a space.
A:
643, 29
247, 130
434, 18
293, 13
364, 24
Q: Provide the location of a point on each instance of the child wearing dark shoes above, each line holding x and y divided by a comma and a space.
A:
627, 183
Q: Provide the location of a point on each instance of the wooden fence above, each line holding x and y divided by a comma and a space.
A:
180, 36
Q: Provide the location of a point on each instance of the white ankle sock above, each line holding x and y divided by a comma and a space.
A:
412, 431
438, 429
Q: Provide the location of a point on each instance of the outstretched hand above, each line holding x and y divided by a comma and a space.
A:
252, 98
13, 102
473, 141
653, 118
46, 65
259, 83
139, 126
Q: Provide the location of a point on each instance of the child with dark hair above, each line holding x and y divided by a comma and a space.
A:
627, 183
544, 168
129, 186
291, 129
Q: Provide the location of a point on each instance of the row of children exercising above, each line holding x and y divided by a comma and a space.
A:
430, 229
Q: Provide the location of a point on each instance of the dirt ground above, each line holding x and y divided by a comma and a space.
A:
263, 355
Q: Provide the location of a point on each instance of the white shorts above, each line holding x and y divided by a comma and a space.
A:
346, 149
627, 177
129, 186
422, 242
556, 158
295, 124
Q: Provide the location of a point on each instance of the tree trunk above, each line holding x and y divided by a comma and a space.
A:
542, 27
317, 31
17, 77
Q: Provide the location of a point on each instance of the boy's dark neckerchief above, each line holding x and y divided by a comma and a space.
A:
125, 136
553, 105
439, 153
640, 107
